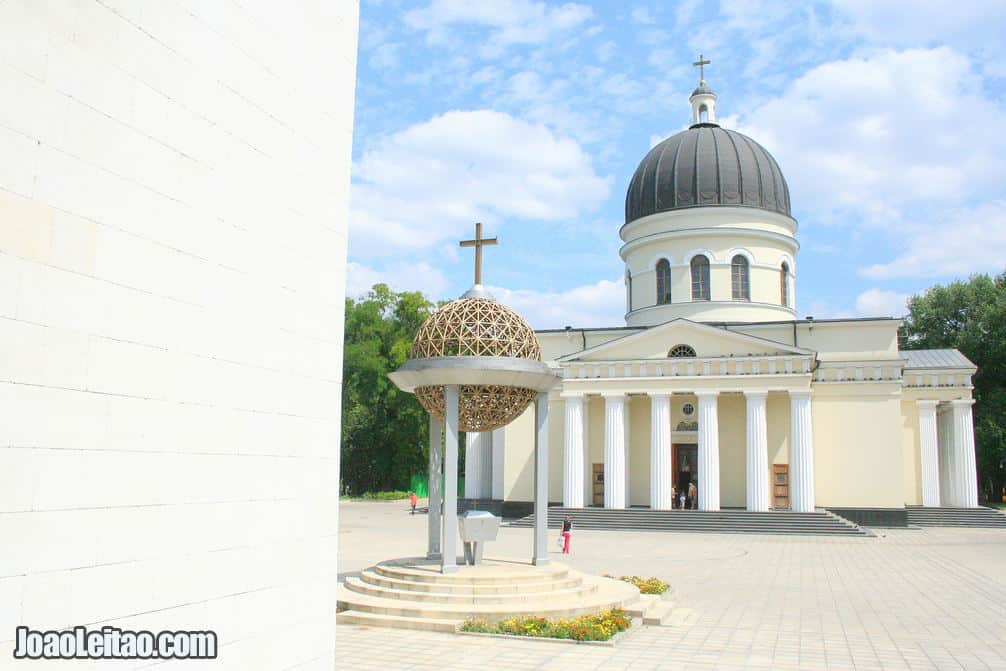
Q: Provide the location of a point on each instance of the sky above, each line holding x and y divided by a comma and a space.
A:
888, 120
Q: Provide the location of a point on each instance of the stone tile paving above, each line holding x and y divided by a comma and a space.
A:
908, 599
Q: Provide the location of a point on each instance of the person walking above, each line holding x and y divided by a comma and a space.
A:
693, 494
413, 500
567, 528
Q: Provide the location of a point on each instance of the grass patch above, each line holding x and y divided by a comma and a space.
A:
645, 585
599, 627
393, 495
1001, 505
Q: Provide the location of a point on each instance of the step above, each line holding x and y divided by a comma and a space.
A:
491, 573
610, 594
374, 578
397, 621
519, 600
659, 614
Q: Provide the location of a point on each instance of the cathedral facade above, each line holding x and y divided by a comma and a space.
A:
714, 393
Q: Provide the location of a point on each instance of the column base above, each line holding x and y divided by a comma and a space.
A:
433, 555
542, 561
449, 568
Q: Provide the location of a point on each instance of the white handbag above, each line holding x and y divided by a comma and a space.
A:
560, 542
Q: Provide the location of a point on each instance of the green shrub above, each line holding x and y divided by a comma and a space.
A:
645, 585
598, 627
393, 495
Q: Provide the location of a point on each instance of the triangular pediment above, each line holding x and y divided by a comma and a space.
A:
707, 341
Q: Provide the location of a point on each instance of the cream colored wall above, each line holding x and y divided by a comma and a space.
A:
777, 419
911, 452
858, 460
721, 217
559, 344
518, 475
639, 441
732, 427
657, 343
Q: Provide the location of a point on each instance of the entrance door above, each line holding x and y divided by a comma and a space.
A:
780, 486
686, 471
597, 484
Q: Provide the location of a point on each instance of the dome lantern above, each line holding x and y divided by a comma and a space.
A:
703, 98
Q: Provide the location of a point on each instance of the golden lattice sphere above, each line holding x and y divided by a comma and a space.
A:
477, 326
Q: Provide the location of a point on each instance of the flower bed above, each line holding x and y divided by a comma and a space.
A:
645, 585
599, 627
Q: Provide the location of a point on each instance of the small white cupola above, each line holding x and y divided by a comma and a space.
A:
703, 98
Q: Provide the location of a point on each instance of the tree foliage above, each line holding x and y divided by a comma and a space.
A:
971, 316
384, 430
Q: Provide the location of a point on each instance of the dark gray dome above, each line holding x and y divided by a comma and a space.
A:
703, 166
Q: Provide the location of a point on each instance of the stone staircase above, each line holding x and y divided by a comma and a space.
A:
413, 594
701, 521
921, 516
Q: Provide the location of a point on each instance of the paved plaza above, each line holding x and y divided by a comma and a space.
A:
907, 599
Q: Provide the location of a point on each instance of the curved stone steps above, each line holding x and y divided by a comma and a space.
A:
518, 600
374, 578
608, 594
493, 573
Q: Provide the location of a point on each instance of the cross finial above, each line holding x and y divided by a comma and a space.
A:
478, 243
701, 64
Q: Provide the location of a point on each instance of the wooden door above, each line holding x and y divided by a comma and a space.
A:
597, 485
780, 486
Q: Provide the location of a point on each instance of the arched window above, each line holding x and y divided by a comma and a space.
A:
740, 284
703, 114
679, 351
700, 278
663, 282
784, 284
628, 290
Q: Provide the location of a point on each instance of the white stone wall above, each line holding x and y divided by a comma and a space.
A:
174, 182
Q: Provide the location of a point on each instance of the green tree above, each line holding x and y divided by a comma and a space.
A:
383, 429
971, 316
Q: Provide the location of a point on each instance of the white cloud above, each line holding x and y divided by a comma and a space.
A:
881, 303
642, 15
512, 21
431, 181
400, 277
591, 305
874, 134
963, 242
978, 27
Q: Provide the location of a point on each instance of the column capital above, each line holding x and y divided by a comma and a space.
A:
927, 403
658, 394
613, 395
706, 393
756, 393
962, 401
573, 396
800, 393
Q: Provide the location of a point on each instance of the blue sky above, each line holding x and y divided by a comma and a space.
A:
887, 118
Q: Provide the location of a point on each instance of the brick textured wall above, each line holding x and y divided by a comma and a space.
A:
174, 182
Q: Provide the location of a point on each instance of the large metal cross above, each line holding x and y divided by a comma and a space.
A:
478, 243
702, 67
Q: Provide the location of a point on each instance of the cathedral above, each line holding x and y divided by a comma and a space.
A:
714, 394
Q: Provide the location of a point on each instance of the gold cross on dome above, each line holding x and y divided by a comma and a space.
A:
701, 64
478, 243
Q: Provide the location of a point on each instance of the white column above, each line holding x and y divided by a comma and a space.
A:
541, 480
473, 464
588, 470
436, 473
801, 452
709, 450
757, 451
499, 458
614, 450
478, 465
965, 472
945, 447
929, 457
572, 452
660, 452
627, 423
449, 557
